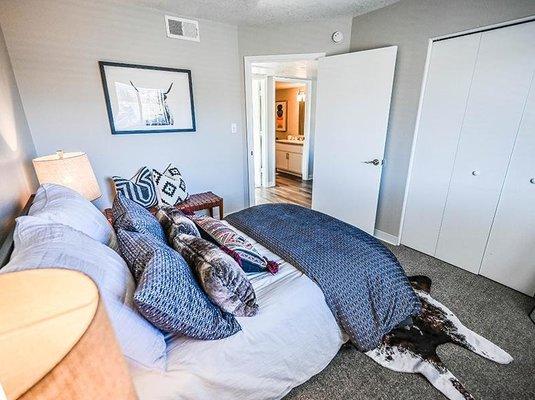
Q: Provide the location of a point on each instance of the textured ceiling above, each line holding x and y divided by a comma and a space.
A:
257, 12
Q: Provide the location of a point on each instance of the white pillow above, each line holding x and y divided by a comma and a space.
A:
41, 244
59, 204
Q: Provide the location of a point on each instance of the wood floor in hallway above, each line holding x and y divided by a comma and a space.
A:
287, 189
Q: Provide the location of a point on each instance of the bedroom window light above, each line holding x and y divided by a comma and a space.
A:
72, 170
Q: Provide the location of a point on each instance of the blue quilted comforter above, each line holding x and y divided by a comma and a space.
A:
364, 285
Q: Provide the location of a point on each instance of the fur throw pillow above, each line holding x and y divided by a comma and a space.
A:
219, 274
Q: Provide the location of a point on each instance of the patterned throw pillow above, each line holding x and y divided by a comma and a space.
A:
234, 244
129, 215
168, 294
140, 188
220, 276
171, 185
175, 222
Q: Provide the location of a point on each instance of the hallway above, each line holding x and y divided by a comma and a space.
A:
287, 189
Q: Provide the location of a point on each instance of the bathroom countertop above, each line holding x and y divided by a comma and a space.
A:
286, 141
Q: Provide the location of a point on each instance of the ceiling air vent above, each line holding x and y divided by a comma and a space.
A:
182, 28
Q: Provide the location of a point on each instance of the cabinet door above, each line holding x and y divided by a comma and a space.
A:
294, 162
509, 256
449, 76
281, 159
500, 87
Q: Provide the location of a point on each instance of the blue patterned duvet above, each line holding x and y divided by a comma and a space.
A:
364, 285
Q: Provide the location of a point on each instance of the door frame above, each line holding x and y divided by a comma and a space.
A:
430, 43
248, 62
306, 128
263, 82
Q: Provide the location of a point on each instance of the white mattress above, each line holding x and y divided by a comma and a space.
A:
293, 337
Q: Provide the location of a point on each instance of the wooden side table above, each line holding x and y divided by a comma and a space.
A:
202, 201
195, 202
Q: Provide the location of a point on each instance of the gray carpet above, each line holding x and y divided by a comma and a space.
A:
498, 313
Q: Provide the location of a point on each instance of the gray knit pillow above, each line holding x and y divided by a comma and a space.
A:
168, 294
220, 275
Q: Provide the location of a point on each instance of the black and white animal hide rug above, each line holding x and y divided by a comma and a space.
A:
412, 348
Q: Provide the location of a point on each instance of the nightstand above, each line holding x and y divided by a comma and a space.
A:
195, 202
202, 201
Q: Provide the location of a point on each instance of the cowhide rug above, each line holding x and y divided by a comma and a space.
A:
412, 348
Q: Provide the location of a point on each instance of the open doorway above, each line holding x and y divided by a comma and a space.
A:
280, 121
289, 182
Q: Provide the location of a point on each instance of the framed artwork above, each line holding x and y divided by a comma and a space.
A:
280, 116
144, 99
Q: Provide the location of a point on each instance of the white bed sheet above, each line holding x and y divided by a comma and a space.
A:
293, 337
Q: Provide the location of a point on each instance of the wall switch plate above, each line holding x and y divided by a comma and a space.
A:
234, 127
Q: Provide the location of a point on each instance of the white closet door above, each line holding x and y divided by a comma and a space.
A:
509, 257
449, 76
499, 90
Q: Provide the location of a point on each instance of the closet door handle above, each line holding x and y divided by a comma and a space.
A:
532, 180
475, 173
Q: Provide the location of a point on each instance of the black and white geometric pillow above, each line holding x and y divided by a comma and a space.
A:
140, 188
171, 185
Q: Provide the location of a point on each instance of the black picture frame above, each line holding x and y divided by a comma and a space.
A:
114, 131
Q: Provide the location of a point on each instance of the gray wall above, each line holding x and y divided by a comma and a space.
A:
409, 24
55, 63
17, 179
299, 37
293, 38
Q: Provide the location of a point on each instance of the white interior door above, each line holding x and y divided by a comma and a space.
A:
352, 110
498, 94
509, 255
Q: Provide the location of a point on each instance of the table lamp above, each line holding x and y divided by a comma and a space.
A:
56, 339
72, 170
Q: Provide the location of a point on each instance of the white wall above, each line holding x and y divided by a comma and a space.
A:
409, 24
54, 48
17, 179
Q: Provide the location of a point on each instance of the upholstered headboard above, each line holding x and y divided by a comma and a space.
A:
7, 246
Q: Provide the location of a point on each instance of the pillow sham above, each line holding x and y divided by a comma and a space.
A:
234, 244
220, 276
40, 244
171, 185
59, 204
168, 294
175, 222
130, 216
140, 188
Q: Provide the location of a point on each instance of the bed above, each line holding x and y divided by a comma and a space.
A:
297, 331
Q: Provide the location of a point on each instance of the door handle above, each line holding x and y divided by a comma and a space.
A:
374, 162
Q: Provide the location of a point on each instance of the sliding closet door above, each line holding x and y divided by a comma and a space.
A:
509, 258
449, 76
499, 90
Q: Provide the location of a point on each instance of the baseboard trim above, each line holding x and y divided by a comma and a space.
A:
386, 237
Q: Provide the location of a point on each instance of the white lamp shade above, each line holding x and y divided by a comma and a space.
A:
72, 170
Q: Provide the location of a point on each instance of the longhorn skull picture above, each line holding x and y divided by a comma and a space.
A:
153, 106
147, 99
